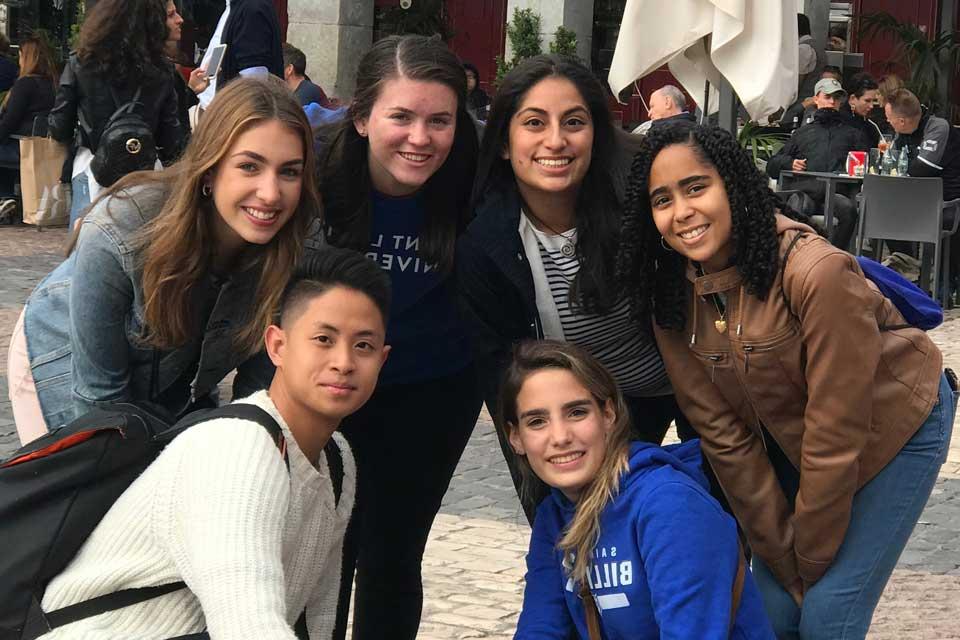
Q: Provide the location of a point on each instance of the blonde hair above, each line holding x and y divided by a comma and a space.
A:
581, 535
35, 59
176, 247
888, 84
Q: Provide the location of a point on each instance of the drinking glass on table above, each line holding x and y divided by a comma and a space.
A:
884, 143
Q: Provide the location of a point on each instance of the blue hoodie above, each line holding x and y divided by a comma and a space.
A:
663, 567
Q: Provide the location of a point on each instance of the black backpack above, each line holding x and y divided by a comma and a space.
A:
126, 144
55, 490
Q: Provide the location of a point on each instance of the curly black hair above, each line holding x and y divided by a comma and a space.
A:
124, 39
652, 277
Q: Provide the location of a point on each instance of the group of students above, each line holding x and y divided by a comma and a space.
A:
591, 287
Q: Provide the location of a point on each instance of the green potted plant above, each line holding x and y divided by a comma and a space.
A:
525, 41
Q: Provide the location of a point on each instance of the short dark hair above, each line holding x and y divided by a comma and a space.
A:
292, 55
833, 70
803, 25
905, 104
861, 83
334, 267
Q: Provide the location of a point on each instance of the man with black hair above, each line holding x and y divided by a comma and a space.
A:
822, 146
295, 75
863, 100
257, 542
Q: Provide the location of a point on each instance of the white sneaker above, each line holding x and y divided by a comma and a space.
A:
7, 208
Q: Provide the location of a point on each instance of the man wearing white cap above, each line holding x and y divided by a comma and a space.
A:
822, 145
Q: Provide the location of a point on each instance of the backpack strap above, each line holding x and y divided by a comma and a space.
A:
108, 602
127, 597
783, 269
335, 463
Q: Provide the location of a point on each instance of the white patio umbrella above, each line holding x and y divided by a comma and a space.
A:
750, 43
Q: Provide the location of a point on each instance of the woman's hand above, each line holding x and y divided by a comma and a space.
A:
199, 81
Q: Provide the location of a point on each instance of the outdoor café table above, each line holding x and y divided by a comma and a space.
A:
832, 179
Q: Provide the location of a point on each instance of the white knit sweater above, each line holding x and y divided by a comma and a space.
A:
218, 510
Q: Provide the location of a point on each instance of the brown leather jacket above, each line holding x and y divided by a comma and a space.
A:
840, 395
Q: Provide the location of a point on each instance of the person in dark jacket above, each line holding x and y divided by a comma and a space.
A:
478, 102
861, 105
616, 509
26, 104
822, 146
120, 51
8, 66
186, 90
295, 75
537, 260
252, 36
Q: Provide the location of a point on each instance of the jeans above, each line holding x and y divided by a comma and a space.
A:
407, 441
80, 192
885, 510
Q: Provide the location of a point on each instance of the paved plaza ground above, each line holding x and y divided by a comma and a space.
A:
473, 569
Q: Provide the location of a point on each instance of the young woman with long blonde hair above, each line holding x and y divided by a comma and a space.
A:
175, 274
603, 549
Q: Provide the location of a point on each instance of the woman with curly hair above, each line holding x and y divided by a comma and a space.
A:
121, 51
538, 259
824, 414
608, 530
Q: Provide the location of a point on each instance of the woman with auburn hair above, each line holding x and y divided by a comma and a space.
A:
824, 413
120, 52
606, 536
30, 98
175, 274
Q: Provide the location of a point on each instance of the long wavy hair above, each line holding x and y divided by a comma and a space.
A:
175, 249
654, 278
530, 357
344, 171
124, 39
36, 59
598, 207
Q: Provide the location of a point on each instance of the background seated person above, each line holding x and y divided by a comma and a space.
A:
861, 106
667, 104
822, 146
30, 97
295, 75
801, 112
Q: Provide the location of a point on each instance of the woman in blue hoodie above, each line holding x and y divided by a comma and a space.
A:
603, 547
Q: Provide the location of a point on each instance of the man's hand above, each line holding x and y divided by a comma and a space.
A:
198, 80
799, 165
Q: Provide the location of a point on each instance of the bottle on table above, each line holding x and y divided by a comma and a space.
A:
903, 162
888, 167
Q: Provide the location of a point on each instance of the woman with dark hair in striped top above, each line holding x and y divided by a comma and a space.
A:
537, 261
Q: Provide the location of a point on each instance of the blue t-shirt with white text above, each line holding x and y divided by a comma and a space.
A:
424, 331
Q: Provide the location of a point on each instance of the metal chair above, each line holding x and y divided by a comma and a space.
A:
911, 209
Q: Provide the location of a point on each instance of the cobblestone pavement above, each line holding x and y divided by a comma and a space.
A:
473, 568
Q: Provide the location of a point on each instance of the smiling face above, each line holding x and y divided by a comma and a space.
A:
690, 207
561, 430
411, 130
256, 186
328, 354
550, 138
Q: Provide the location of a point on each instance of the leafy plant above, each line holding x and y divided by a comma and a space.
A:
564, 42
760, 142
922, 54
524, 33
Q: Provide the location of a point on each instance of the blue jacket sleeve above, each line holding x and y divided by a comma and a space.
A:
101, 300
545, 615
691, 584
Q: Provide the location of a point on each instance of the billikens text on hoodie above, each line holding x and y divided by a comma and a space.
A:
663, 567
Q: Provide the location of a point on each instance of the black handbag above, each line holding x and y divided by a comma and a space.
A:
126, 144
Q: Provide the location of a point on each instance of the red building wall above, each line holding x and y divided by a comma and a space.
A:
878, 53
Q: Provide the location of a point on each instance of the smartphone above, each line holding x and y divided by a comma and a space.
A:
216, 59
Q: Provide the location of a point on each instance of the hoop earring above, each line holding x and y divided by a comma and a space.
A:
206, 190
665, 246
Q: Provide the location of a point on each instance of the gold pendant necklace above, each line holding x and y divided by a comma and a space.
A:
720, 324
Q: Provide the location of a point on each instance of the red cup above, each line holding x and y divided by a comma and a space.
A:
856, 163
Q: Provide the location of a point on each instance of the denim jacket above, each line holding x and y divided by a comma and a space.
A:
84, 321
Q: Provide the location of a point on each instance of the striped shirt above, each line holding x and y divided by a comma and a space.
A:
613, 338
